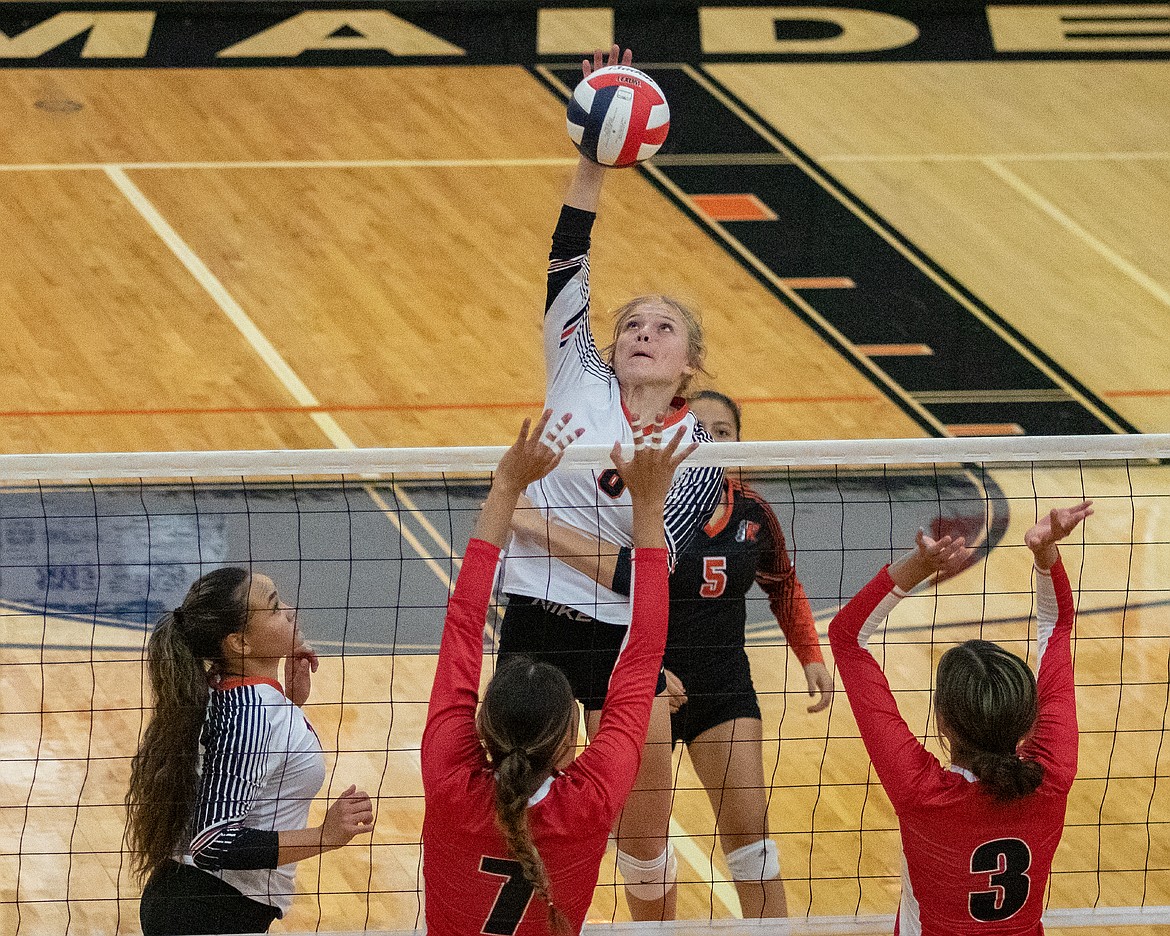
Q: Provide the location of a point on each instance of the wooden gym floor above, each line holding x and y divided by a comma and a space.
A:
305, 258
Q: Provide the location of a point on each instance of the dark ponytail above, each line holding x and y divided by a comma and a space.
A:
184, 651
528, 710
985, 700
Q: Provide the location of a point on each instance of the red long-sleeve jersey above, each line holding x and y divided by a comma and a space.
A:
472, 884
971, 864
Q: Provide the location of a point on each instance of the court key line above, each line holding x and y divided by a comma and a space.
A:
276, 363
1146, 282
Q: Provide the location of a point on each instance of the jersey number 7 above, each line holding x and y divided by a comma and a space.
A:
511, 901
1006, 861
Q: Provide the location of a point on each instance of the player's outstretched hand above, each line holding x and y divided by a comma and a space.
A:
1059, 523
948, 554
535, 454
649, 473
616, 56
1050, 530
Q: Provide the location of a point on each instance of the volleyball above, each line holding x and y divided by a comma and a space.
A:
618, 116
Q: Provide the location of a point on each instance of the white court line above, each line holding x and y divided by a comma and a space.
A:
554, 161
268, 353
1148, 283
999, 157
723, 889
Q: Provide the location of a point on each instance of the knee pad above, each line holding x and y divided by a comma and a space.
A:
650, 879
759, 861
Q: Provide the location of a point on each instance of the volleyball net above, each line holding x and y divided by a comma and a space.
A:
366, 544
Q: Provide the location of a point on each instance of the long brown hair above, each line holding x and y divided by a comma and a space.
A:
528, 710
184, 651
985, 701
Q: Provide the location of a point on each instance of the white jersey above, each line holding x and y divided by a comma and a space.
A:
595, 502
260, 765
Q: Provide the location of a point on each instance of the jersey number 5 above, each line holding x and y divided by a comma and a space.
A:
1006, 860
511, 901
714, 576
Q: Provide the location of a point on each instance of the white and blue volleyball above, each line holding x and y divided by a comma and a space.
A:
618, 116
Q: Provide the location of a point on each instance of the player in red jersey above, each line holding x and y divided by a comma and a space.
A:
509, 812
978, 836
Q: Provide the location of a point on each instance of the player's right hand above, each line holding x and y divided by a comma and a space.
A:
615, 56
532, 456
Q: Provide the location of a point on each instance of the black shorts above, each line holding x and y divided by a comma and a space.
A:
581, 647
180, 899
718, 683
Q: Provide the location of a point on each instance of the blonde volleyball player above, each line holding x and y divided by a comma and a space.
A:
715, 710
516, 827
558, 614
978, 836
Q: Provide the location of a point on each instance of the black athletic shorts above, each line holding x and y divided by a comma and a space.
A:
581, 647
181, 899
718, 683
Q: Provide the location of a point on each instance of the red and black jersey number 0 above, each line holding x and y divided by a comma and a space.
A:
513, 898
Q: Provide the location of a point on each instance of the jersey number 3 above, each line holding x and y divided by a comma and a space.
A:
714, 576
1006, 861
511, 901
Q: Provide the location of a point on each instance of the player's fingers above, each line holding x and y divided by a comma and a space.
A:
615, 456
656, 433
614, 54
628, 58
684, 454
541, 423
675, 442
639, 433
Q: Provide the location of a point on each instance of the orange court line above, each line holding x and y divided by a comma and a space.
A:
818, 282
894, 350
743, 207
985, 429
373, 407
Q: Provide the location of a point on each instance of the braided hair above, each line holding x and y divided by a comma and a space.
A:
528, 711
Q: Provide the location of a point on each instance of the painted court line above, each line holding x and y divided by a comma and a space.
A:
295, 164
1000, 157
268, 353
1146, 282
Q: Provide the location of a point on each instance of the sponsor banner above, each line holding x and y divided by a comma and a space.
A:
235, 34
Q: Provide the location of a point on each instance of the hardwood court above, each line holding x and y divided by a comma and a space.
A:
385, 257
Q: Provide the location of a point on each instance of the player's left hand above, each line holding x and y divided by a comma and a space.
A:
819, 680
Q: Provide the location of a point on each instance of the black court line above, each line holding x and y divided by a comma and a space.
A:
981, 370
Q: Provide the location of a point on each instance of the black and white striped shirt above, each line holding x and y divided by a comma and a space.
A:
260, 765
